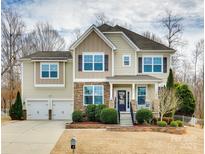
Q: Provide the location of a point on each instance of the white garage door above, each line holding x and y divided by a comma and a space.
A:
62, 109
37, 109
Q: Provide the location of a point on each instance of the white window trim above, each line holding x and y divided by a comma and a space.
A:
93, 93
123, 64
49, 71
141, 86
93, 53
152, 56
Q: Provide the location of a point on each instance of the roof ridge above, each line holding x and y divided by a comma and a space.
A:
142, 36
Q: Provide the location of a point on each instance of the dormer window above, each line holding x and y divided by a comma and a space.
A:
93, 62
126, 60
49, 70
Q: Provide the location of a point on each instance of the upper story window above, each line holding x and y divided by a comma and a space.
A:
152, 64
49, 70
93, 62
126, 60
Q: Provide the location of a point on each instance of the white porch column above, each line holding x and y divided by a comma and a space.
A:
111, 89
156, 90
133, 91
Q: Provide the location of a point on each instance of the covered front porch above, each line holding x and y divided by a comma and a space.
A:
138, 92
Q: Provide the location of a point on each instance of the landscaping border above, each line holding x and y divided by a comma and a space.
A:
113, 127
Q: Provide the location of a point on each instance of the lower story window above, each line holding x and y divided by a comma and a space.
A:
141, 97
93, 94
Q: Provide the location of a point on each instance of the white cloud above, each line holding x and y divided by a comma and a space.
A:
67, 15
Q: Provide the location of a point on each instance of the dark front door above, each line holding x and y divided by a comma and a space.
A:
122, 100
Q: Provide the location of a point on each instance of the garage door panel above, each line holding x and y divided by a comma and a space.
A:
37, 109
62, 109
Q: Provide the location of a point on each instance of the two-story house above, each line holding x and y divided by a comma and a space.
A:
106, 65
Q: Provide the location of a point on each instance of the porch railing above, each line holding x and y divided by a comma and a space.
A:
131, 112
117, 108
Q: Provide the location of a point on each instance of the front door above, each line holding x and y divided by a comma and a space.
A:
122, 100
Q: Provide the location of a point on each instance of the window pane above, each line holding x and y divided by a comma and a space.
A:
98, 58
157, 68
45, 74
126, 63
88, 99
98, 66
147, 68
88, 66
148, 60
98, 100
141, 100
88, 58
53, 74
141, 91
98, 90
53, 67
157, 60
45, 67
88, 90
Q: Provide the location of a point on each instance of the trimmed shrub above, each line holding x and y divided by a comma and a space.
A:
90, 112
77, 116
187, 100
16, 110
174, 124
143, 115
108, 116
180, 123
161, 123
98, 110
168, 119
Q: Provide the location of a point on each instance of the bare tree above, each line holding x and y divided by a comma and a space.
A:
44, 38
198, 84
76, 33
168, 102
12, 28
173, 25
152, 36
196, 55
101, 19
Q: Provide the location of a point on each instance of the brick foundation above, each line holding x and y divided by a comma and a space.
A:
78, 93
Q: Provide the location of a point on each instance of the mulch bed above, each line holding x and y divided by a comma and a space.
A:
135, 128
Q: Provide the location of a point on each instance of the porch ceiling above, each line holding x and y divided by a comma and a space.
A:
133, 78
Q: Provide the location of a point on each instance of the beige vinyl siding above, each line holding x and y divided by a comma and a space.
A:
60, 80
93, 43
162, 76
29, 91
123, 48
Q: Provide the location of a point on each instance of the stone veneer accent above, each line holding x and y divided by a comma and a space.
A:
78, 93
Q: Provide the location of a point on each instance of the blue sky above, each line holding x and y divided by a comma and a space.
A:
139, 15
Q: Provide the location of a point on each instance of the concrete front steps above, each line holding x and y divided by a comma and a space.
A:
125, 119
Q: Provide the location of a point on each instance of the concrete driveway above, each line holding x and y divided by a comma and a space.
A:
30, 137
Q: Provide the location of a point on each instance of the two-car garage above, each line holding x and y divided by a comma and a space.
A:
44, 109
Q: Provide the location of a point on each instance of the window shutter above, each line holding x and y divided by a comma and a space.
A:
80, 63
106, 62
140, 65
165, 64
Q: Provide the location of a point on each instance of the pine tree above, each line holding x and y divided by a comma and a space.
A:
16, 110
170, 80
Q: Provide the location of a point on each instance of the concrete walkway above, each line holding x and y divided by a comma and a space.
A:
30, 137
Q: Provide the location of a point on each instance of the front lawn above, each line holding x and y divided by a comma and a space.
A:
92, 141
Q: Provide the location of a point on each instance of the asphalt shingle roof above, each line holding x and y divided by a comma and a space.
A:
139, 40
49, 55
